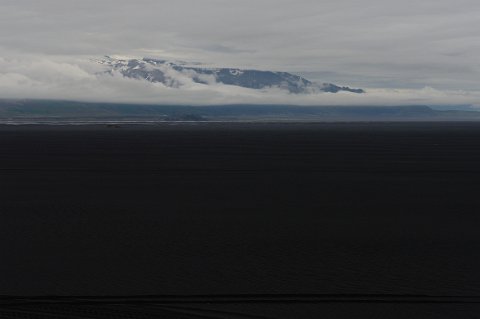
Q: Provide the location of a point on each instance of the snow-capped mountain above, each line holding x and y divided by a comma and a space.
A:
173, 74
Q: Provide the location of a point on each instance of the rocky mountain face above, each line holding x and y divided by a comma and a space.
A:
173, 74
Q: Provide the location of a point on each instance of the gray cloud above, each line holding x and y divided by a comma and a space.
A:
380, 45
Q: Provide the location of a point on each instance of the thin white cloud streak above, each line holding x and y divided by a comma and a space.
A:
83, 80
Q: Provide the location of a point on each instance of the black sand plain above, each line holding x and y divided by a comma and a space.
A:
338, 220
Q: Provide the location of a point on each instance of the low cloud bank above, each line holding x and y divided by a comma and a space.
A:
84, 80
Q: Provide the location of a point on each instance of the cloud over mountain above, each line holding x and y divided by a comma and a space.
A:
400, 52
174, 74
83, 79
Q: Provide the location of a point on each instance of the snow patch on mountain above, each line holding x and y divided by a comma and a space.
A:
178, 74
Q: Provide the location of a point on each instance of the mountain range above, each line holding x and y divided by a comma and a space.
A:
174, 74
61, 111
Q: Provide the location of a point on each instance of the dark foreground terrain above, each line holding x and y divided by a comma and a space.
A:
241, 220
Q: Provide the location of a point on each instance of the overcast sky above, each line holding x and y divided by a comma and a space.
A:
417, 47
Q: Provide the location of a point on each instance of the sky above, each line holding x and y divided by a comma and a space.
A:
401, 52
